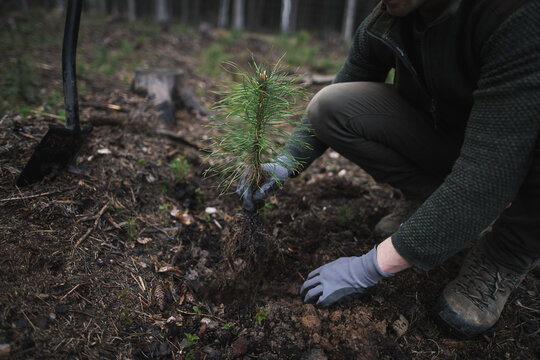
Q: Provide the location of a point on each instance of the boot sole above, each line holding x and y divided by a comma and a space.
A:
454, 322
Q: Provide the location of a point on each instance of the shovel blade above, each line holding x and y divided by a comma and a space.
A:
54, 152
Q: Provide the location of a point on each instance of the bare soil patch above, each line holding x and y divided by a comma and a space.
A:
116, 260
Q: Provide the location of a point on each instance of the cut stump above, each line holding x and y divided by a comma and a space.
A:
168, 88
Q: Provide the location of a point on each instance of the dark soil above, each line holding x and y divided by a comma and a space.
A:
118, 260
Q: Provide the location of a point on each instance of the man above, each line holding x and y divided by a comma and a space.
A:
457, 133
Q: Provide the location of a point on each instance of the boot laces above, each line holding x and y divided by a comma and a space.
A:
481, 283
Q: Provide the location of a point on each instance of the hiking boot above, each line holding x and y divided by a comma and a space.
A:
402, 212
472, 303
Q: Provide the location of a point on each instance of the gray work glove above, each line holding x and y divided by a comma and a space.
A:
276, 173
342, 279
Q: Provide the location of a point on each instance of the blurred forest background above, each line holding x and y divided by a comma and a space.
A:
286, 16
198, 35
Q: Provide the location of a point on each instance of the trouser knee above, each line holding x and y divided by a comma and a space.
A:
323, 114
374, 127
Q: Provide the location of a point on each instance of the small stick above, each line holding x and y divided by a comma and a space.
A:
139, 282
27, 136
301, 277
142, 283
89, 231
201, 314
173, 136
88, 325
104, 106
518, 303
69, 292
27, 319
69, 188
58, 117
153, 317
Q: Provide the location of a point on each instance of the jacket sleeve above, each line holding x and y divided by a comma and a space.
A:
361, 65
500, 140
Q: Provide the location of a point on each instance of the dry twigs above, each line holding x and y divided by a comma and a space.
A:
176, 137
69, 292
46, 114
200, 314
89, 231
69, 188
104, 106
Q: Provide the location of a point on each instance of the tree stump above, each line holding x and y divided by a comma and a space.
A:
168, 88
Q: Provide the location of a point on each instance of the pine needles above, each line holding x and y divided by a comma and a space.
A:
253, 114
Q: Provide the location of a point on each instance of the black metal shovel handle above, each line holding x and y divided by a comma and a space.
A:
69, 53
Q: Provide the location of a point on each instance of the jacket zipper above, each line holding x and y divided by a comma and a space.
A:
396, 49
427, 78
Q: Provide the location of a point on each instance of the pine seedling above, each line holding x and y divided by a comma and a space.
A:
252, 119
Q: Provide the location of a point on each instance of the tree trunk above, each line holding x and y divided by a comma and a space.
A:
254, 14
23, 5
109, 6
101, 6
223, 18
168, 88
289, 10
162, 12
293, 16
238, 21
285, 16
196, 14
348, 21
120, 8
132, 14
184, 16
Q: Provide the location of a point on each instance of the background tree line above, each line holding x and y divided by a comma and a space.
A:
286, 16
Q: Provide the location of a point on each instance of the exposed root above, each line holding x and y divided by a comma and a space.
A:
248, 253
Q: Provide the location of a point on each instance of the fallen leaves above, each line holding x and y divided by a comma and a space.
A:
184, 217
144, 240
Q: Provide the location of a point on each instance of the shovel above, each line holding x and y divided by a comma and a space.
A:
59, 146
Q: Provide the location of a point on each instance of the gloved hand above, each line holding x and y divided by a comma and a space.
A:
276, 172
342, 279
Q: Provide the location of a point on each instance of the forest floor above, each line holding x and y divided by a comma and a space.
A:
111, 259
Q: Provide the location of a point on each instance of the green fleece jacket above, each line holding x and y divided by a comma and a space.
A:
479, 77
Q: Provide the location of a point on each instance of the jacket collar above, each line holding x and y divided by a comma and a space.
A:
382, 22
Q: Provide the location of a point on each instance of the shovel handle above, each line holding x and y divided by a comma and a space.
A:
69, 75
